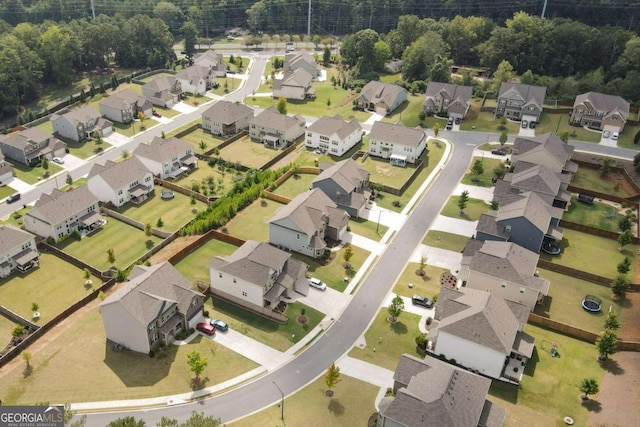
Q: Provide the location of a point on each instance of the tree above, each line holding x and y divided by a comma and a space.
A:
348, 254
281, 105
503, 137
190, 32
503, 73
35, 307
147, 231
196, 363
128, 421
203, 146
26, 356
45, 163
69, 180
86, 274
125, 153
620, 285
607, 344
332, 376
589, 386
564, 136
436, 129
111, 256
625, 223
396, 308
462, 201
381, 54
605, 168
326, 56
316, 40
423, 262
57, 50
625, 238
421, 55
611, 322
17, 331
477, 169
159, 223
624, 266
636, 162
636, 140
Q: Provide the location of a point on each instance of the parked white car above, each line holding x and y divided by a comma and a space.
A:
318, 284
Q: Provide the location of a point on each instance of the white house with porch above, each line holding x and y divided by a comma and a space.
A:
396, 142
276, 130
121, 183
18, 250
167, 158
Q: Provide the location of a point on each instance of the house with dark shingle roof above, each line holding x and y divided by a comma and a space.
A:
334, 135
597, 110
61, 213
482, 332
80, 124
18, 250
433, 393
517, 101
151, 308
276, 130
6, 171
212, 60
120, 183
397, 143
303, 224
163, 91
504, 269
301, 60
346, 183
257, 275
547, 150
226, 118
294, 84
549, 186
448, 99
125, 106
383, 98
31, 146
196, 79
167, 157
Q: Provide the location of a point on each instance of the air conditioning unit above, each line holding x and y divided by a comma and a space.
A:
507, 228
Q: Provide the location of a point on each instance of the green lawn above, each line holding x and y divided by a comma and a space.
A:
6, 191
369, 229
6, 329
351, 405
295, 184
559, 123
592, 180
334, 273
175, 212
17, 216
248, 153
444, 240
195, 100
549, 389
563, 303
46, 127
86, 149
427, 285
32, 175
475, 208
595, 215
195, 266
484, 179
200, 135
383, 172
409, 112
223, 179
268, 332
484, 121
155, 76
134, 128
626, 137
52, 292
166, 112
128, 244
86, 368
592, 254
252, 222
386, 342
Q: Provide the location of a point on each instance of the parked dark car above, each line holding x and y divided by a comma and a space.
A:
219, 325
499, 152
423, 301
458, 120
13, 198
532, 124
156, 114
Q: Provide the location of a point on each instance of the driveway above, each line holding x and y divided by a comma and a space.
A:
385, 217
116, 139
184, 108
475, 192
410, 307
454, 225
437, 257
71, 162
19, 185
609, 142
329, 302
363, 242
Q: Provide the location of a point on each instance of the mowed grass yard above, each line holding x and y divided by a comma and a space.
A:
597, 214
351, 405
295, 184
484, 121
248, 153
472, 212
560, 123
483, 179
200, 135
334, 273
592, 180
268, 332
85, 149
383, 172
87, 368
593, 254
427, 285
549, 390
444, 240
54, 286
6, 330
195, 266
223, 179
33, 175
174, 212
408, 113
252, 222
127, 242
134, 128
563, 304
369, 229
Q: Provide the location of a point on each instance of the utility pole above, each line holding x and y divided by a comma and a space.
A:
544, 8
309, 20
93, 11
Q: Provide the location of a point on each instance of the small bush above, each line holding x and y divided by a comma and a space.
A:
152, 353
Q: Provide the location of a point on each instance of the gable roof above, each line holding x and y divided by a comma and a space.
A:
27, 136
529, 94
536, 178
150, 290
377, 91
211, 59
310, 211
194, 72
161, 83
78, 116
326, 125
272, 119
450, 91
296, 78
397, 134
118, 175
59, 205
123, 99
11, 237
162, 149
528, 205
346, 174
227, 112
296, 58
604, 102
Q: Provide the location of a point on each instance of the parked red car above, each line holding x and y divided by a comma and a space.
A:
206, 328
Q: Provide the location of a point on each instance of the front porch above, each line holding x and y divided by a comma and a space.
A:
26, 260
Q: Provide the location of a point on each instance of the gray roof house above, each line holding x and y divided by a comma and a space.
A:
257, 275
549, 186
294, 84
213, 60
482, 332
61, 213
6, 171
304, 60
30, 146
18, 250
276, 130
125, 106
519, 101
226, 118
547, 150
505, 269
448, 99
155, 305
433, 393
196, 79
163, 91
597, 110
397, 143
80, 124
334, 135
346, 183
305, 222
167, 158
120, 183
383, 98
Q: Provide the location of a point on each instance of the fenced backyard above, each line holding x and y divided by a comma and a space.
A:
248, 153
175, 212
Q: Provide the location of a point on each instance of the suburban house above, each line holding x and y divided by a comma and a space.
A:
80, 124
125, 106
433, 393
306, 221
6, 171
62, 213
547, 150
276, 130
31, 146
504, 269
163, 91
151, 308
120, 183
294, 84
518, 101
302, 60
396, 142
196, 79
334, 135
346, 184
381, 97
448, 99
18, 250
524, 219
549, 186
226, 118
257, 275
482, 332
597, 110
167, 158
213, 61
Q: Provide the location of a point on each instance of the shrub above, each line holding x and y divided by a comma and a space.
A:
421, 341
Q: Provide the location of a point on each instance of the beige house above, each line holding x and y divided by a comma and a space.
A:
294, 84
163, 91
196, 79
383, 98
167, 158
125, 106
396, 142
276, 130
448, 99
518, 101
155, 305
505, 269
121, 183
80, 124
31, 146
212, 60
301, 60
549, 186
226, 118
599, 110
18, 251
547, 150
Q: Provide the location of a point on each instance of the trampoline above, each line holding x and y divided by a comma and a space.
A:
592, 304
167, 194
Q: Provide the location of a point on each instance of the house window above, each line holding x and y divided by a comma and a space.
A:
298, 236
119, 192
154, 338
244, 294
522, 290
234, 280
220, 275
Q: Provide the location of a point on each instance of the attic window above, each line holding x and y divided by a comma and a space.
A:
503, 284
522, 290
234, 280
220, 275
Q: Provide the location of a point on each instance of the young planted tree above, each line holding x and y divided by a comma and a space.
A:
148, 232
17, 331
503, 137
282, 105
111, 256
607, 344
625, 238
125, 154
436, 129
87, 274
348, 254
396, 308
625, 223
477, 170
605, 168
620, 285
589, 386
159, 223
69, 180
332, 377
624, 266
203, 146
611, 322
462, 202
196, 363
26, 356
423, 264
35, 307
